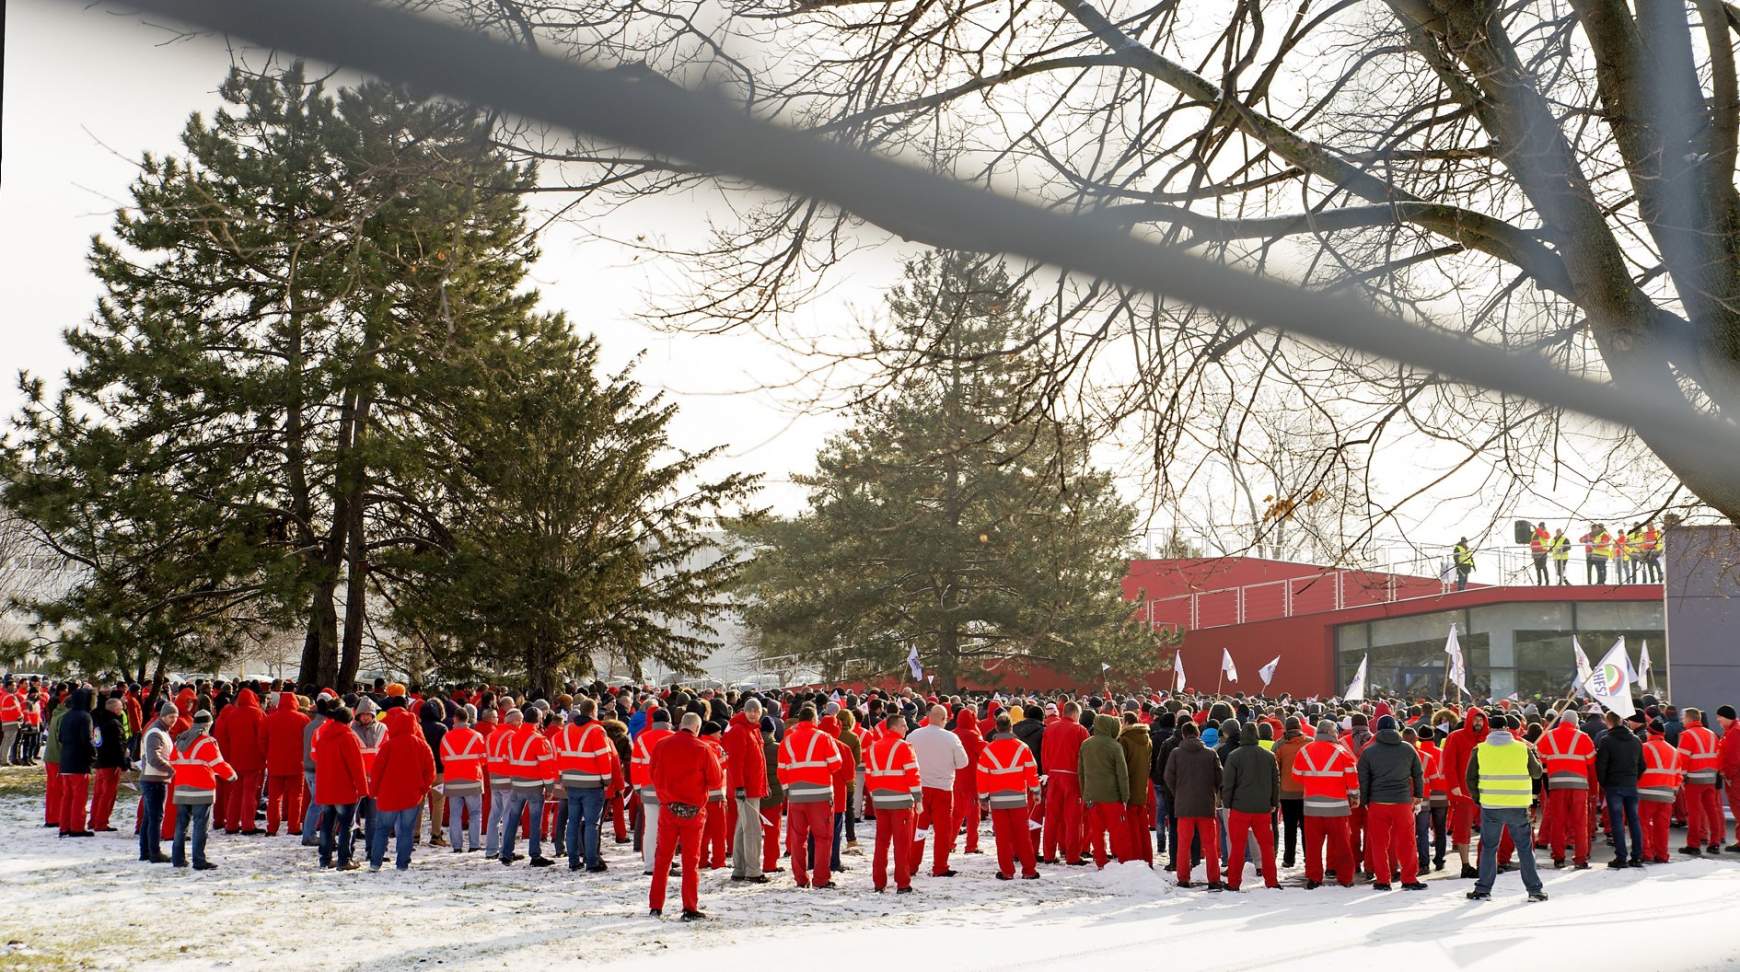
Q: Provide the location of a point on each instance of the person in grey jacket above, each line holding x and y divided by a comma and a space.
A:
1392, 786
1251, 789
155, 773
311, 819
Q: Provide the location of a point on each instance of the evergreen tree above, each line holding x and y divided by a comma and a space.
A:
952, 515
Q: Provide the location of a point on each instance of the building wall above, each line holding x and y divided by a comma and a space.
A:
1702, 569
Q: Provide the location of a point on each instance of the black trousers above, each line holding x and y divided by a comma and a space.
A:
1292, 825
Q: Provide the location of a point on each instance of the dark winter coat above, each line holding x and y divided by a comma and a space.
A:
1193, 776
1229, 739
432, 721
112, 751
76, 752
1103, 773
1251, 782
1618, 759
1390, 771
1031, 730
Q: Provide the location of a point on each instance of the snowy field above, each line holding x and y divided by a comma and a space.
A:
89, 904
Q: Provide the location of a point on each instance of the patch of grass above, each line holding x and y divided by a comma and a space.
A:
22, 781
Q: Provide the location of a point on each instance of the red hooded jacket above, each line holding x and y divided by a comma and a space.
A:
1459, 749
339, 777
973, 741
240, 731
1062, 745
684, 770
746, 765
405, 767
284, 725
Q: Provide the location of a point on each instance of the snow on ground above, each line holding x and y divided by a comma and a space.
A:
90, 904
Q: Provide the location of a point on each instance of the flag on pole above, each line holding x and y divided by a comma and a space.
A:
1610, 681
912, 664
1267, 672
1643, 670
1453, 647
1104, 668
1226, 665
1178, 672
931, 679
1583, 666
1356, 690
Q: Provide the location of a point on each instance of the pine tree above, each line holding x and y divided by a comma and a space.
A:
953, 515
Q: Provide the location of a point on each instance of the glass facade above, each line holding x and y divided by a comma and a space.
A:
1522, 647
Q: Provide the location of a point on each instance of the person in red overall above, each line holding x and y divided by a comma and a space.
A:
891, 783
1063, 810
684, 772
1329, 776
1705, 827
1568, 758
1458, 750
1663, 768
240, 732
1728, 763
715, 829
284, 797
1007, 782
808, 760
967, 784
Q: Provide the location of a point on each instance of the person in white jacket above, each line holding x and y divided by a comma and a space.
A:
940, 754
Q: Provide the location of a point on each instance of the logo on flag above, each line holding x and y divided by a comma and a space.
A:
1610, 681
912, 664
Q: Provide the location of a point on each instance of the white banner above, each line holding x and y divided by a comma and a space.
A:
1356, 690
1227, 667
1178, 672
1453, 648
1583, 666
912, 664
1267, 672
1643, 670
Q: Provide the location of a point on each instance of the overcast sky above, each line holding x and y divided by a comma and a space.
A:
86, 91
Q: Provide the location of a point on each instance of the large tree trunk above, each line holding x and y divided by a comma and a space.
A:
320, 646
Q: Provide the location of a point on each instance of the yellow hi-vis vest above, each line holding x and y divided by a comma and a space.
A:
1561, 547
1504, 775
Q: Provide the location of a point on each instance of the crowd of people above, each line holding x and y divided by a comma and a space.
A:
1380, 792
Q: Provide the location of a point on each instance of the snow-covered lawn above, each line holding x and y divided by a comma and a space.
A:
89, 904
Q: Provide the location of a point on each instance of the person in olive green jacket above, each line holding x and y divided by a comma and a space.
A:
1104, 776
1138, 749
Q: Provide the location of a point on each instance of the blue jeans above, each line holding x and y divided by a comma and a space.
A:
151, 821
585, 813
1160, 821
457, 805
194, 818
499, 798
335, 823
402, 825
365, 818
310, 819
1622, 815
519, 800
1494, 822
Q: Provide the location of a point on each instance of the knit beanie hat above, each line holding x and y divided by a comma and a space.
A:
168, 711
1386, 722
1326, 731
202, 718
1725, 711
1292, 724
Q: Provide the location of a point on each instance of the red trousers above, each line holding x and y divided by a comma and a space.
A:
169, 812
770, 837
1062, 816
284, 802
674, 831
1209, 830
1259, 825
75, 789
937, 814
1106, 825
1566, 821
1389, 834
618, 815
241, 799
1318, 830
51, 800
104, 785
1462, 815
1654, 818
1139, 831
802, 822
966, 800
1734, 806
1704, 824
894, 836
713, 841
1014, 841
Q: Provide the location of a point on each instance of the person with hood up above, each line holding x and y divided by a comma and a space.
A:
1105, 789
404, 772
155, 770
1327, 773
1138, 811
240, 731
1008, 782
1392, 786
1193, 777
1251, 790
1292, 793
370, 733
432, 721
111, 759
684, 772
73, 732
966, 794
340, 782
1063, 809
746, 779
1500, 779
284, 765
1458, 750
199, 763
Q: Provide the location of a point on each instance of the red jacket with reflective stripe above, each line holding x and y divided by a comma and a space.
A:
1663, 767
584, 755
462, 755
200, 766
891, 773
1698, 745
641, 756
11, 706
1568, 757
746, 762
1006, 772
1326, 771
807, 761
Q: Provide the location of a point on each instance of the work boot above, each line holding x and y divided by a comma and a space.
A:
1470, 873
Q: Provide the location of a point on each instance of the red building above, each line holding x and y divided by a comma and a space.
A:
1320, 622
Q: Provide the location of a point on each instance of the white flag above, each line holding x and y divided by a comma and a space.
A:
1583, 666
912, 664
1453, 648
1226, 664
1104, 668
1267, 672
1643, 670
1610, 682
1178, 672
1356, 690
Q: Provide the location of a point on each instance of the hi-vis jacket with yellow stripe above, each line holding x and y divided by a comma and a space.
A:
1006, 772
807, 761
891, 773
